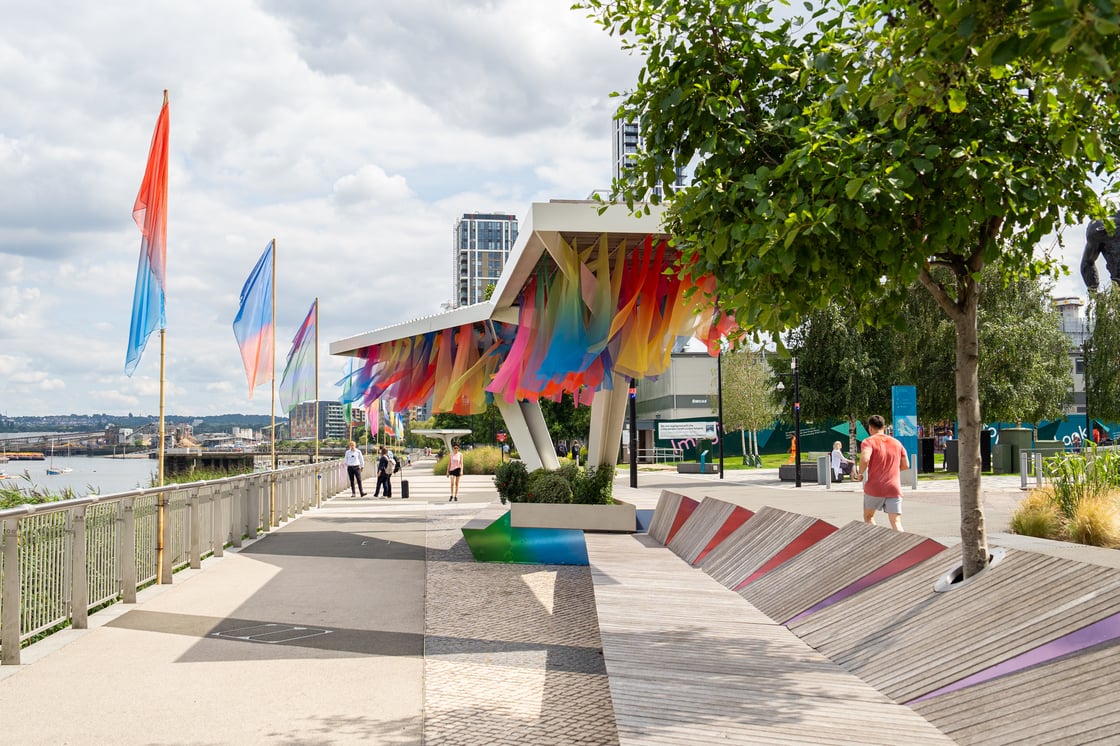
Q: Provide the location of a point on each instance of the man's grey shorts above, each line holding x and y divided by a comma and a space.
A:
885, 504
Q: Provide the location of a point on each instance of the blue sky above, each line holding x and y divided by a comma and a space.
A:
354, 134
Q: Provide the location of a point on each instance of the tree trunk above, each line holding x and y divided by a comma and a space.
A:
743, 442
852, 436
974, 541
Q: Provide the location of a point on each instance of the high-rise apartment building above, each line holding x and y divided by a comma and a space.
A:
482, 244
625, 145
331, 420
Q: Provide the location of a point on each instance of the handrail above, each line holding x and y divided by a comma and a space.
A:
60, 559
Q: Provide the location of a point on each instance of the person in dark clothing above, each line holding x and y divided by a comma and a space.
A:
384, 471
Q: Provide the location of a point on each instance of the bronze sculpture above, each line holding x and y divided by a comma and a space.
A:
1099, 241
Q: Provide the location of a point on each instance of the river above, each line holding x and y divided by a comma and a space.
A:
89, 474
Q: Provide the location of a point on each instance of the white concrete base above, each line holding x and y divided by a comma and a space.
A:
620, 517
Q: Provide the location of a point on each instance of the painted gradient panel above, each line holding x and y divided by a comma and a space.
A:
806, 539
501, 542
1106, 630
907, 559
684, 510
738, 517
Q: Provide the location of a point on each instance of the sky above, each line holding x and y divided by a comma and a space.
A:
354, 133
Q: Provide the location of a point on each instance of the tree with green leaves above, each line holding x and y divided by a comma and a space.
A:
565, 420
845, 372
1024, 369
853, 152
748, 395
1101, 351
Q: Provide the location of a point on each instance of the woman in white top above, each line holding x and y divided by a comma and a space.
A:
838, 460
454, 471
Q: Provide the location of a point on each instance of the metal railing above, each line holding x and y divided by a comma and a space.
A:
59, 560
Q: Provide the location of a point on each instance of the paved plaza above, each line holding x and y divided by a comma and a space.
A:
368, 621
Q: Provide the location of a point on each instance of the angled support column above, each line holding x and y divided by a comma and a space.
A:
525, 423
608, 410
534, 417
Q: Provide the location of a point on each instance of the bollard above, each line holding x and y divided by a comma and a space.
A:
824, 471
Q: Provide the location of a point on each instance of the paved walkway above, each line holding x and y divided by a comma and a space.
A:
367, 621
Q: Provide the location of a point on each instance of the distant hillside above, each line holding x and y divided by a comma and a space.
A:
221, 423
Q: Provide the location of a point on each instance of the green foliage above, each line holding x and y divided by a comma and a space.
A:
197, 475
1024, 371
512, 481
547, 486
19, 490
568, 484
1079, 476
1101, 351
565, 420
594, 486
748, 392
851, 153
482, 460
845, 372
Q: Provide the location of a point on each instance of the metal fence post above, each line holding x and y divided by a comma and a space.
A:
1024, 467
237, 510
79, 586
128, 551
217, 527
195, 522
1038, 469
10, 601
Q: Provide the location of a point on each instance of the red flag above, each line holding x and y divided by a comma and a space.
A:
150, 210
150, 213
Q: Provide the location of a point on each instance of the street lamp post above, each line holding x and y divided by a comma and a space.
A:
796, 418
719, 393
633, 434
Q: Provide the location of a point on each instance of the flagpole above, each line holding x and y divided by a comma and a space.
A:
272, 477
164, 526
318, 493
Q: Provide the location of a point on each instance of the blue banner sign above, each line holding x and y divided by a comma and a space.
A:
904, 419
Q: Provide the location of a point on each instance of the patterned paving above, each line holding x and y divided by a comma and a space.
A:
512, 652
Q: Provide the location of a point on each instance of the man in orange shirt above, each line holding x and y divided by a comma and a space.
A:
882, 459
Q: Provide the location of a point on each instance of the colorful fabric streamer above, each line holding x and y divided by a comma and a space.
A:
579, 324
253, 327
298, 382
150, 213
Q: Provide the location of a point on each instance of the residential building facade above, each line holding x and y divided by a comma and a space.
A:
332, 421
626, 143
482, 242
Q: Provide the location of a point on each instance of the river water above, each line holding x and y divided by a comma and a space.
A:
89, 474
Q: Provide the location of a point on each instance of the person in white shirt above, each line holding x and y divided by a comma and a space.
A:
355, 463
838, 461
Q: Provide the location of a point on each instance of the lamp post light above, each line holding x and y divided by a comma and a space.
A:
796, 418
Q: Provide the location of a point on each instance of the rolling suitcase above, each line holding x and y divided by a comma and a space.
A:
404, 489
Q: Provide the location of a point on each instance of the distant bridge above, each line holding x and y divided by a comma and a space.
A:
18, 442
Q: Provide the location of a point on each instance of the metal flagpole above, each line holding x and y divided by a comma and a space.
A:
163, 558
318, 476
272, 476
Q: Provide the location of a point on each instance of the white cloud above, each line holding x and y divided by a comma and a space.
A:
353, 133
